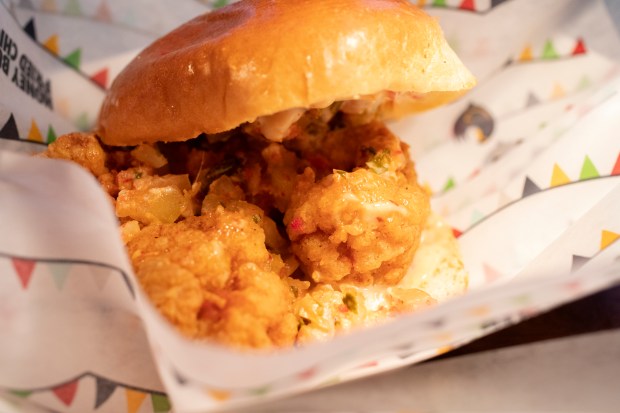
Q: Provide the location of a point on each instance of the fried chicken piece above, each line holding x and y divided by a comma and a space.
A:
81, 148
358, 227
212, 277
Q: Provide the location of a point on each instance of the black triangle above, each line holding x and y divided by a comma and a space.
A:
9, 130
497, 2
532, 100
529, 187
578, 262
181, 380
30, 30
104, 389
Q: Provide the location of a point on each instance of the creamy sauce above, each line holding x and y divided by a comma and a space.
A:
276, 127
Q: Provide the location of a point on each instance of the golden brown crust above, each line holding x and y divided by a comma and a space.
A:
259, 57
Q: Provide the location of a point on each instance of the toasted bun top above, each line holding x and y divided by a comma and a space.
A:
259, 57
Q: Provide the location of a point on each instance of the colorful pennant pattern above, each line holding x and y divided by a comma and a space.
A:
10, 130
558, 177
74, 57
473, 6
60, 271
67, 392
549, 52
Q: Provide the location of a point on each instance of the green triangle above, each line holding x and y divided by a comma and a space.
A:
51, 134
584, 83
588, 170
549, 51
160, 403
59, 273
476, 216
219, 3
260, 391
73, 58
73, 8
82, 122
449, 185
21, 393
439, 3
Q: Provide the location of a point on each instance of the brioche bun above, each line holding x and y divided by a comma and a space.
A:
260, 57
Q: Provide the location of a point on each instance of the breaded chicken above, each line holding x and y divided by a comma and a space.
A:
213, 278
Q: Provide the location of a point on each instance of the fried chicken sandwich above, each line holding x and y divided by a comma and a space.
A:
262, 200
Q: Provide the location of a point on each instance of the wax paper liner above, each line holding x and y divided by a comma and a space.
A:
526, 169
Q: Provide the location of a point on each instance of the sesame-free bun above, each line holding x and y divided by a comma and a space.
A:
259, 57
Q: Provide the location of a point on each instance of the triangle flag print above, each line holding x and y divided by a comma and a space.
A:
23, 270
439, 3
22, 394
73, 58
529, 187
549, 51
532, 100
103, 12
584, 83
35, 133
134, 400
578, 262
31, 30
449, 184
490, 273
101, 78
526, 54
73, 8
579, 48
160, 403
607, 238
557, 92
104, 389
588, 170
456, 232
49, 6
59, 272
616, 169
467, 5
9, 130
476, 216
51, 134
558, 176
66, 392
51, 44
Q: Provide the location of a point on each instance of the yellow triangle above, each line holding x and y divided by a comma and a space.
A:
607, 237
558, 92
219, 395
526, 53
134, 400
35, 133
51, 44
421, 3
49, 6
558, 177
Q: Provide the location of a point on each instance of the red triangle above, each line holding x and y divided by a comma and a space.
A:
24, 270
490, 273
580, 48
467, 5
616, 170
456, 232
101, 78
66, 392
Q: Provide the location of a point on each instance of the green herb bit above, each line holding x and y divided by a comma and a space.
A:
340, 172
256, 218
350, 301
380, 162
137, 175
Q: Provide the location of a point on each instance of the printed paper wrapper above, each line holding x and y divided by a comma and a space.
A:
526, 169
